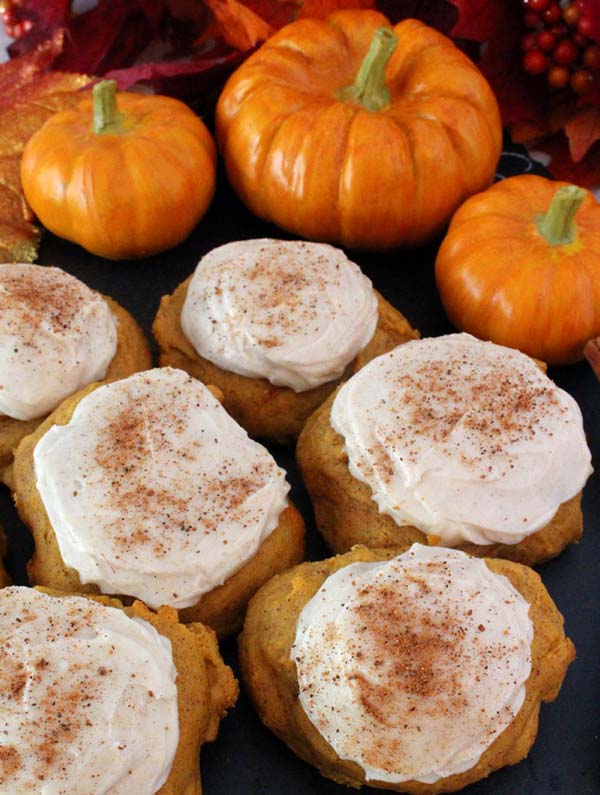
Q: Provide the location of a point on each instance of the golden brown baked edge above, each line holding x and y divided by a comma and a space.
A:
347, 515
132, 355
222, 608
206, 687
270, 675
264, 410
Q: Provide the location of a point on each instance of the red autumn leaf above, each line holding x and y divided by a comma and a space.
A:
276, 13
111, 35
585, 173
319, 9
240, 27
583, 130
481, 20
166, 76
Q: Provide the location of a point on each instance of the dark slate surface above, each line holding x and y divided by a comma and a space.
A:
246, 758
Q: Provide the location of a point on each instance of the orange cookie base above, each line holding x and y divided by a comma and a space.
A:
206, 688
264, 410
222, 608
271, 680
346, 513
132, 355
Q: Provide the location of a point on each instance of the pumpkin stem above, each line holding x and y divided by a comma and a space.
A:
369, 88
557, 225
107, 118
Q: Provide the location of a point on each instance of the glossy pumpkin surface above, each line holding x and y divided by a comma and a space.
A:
136, 188
501, 279
304, 151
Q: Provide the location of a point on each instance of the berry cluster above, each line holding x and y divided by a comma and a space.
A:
558, 45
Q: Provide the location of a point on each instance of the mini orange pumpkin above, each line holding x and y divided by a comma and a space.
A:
124, 175
347, 131
520, 266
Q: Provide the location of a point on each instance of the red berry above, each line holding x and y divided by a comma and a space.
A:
531, 20
536, 5
558, 76
535, 62
582, 81
571, 14
552, 14
591, 56
565, 53
545, 40
585, 26
580, 39
529, 42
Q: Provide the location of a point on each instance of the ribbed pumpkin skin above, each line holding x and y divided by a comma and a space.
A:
500, 280
121, 195
331, 170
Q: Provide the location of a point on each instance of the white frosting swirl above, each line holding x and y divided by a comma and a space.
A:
413, 667
56, 336
463, 439
154, 491
88, 702
292, 312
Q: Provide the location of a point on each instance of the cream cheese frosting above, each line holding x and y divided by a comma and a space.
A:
154, 491
88, 701
463, 439
292, 312
412, 667
56, 336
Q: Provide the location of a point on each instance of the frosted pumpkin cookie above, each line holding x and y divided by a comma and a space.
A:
449, 441
420, 673
56, 336
147, 488
97, 698
275, 325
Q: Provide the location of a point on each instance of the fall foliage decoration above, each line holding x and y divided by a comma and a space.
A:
520, 266
27, 98
133, 183
187, 48
346, 130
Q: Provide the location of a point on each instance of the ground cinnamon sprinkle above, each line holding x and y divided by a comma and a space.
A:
407, 667
281, 308
495, 406
43, 296
68, 691
135, 436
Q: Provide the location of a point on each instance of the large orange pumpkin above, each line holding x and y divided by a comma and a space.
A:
348, 131
520, 266
124, 175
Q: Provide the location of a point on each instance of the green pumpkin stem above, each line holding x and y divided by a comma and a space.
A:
557, 226
107, 118
369, 88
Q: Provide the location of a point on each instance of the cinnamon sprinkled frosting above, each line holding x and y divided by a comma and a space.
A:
56, 336
463, 439
88, 701
154, 491
293, 312
412, 667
